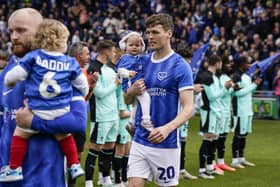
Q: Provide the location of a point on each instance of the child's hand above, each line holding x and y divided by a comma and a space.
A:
132, 73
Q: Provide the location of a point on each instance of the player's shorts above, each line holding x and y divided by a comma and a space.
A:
123, 135
105, 132
242, 125
210, 122
184, 131
225, 126
80, 139
161, 165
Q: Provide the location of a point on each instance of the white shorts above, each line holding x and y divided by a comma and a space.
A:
159, 164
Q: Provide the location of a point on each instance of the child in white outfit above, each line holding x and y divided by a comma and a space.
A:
130, 69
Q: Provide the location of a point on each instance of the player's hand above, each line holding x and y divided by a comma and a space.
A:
117, 81
137, 88
124, 114
228, 84
92, 79
197, 88
209, 136
159, 134
236, 87
24, 116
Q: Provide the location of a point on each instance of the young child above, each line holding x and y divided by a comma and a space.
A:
130, 68
49, 76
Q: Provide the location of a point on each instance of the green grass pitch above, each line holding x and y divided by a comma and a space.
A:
262, 148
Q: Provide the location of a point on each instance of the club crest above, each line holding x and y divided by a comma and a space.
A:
161, 75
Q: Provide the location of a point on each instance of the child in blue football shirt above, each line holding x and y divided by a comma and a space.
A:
130, 69
49, 77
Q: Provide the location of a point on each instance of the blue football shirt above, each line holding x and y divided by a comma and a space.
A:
164, 79
43, 156
132, 63
48, 85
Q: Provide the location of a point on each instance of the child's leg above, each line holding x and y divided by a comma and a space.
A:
68, 147
132, 114
145, 102
18, 148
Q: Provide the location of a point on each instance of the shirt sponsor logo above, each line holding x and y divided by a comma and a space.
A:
9, 114
157, 92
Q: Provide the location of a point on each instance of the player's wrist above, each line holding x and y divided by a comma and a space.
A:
129, 99
129, 92
170, 127
90, 89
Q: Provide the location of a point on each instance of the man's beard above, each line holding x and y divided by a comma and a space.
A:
21, 49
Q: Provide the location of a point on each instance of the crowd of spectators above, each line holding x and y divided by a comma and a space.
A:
233, 27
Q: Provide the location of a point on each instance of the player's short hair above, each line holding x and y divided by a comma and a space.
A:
214, 59
160, 19
105, 44
51, 35
240, 61
76, 48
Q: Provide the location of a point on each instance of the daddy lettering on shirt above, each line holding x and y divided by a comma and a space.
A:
52, 64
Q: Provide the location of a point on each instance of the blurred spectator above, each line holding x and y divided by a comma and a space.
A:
232, 26
4, 55
276, 83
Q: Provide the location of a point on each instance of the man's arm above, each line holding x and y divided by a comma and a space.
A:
252, 87
71, 122
137, 88
186, 99
102, 90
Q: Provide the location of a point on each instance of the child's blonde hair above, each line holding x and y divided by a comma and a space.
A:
51, 35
